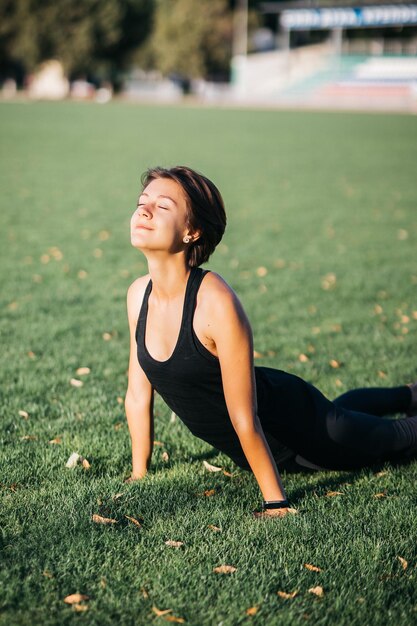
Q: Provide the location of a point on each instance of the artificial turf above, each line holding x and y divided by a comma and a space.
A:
321, 249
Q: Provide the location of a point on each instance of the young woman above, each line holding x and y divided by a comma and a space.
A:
191, 342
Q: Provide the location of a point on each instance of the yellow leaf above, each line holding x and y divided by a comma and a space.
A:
224, 569
75, 598
303, 358
209, 492
287, 596
312, 568
318, 591
380, 495
262, 271
119, 400
211, 468
158, 443
83, 371
24, 414
29, 437
382, 374
215, 529
174, 544
160, 613
80, 607
333, 363
252, 610
76, 383
82, 274
86, 465
106, 336
134, 521
98, 519
173, 618
31, 355
57, 440
165, 456
228, 474
403, 562
380, 474
332, 494
257, 355
47, 574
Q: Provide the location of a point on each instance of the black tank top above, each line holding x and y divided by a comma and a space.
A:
190, 380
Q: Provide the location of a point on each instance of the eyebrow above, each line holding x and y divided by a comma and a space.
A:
160, 196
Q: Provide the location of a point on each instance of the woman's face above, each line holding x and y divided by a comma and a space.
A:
160, 220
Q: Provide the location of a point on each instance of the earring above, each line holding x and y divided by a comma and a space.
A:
186, 239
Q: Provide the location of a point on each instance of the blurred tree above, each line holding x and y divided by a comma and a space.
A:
192, 39
88, 37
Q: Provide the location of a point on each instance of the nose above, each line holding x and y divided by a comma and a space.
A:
145, 211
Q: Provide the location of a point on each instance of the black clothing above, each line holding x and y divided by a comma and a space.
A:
295, 416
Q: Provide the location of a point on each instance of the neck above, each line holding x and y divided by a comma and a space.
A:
168, 276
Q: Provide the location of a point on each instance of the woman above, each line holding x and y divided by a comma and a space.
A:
191, 342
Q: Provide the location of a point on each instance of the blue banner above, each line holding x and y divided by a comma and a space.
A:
361, 17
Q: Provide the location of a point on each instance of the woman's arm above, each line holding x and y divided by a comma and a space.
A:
230, 331
139, 394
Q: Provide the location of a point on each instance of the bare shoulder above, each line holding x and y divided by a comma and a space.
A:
135, 295
216, 297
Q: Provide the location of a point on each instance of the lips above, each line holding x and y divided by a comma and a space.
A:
141, 227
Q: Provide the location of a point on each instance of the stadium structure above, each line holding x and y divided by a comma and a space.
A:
347, 55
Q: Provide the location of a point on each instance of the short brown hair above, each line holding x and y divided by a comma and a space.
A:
205, 208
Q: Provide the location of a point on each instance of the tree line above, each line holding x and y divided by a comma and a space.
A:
99, 39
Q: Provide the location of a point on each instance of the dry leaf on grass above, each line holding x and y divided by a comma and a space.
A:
83, 371
332, 494
312, 568
252, 610
257, 355
160, 613
76, 383
383, 494
76, 459
335, 364
98, 519
158, 443
228, 474
56, 441
211, 468
303, 358
287, 596
47, 573
209, 492
133, 520
224, 569
174, 618
174, 544
80, 607
24, 414
29, 437
165, 457
380, 474
76, 598
403, 562
318, 591
215, 529
262, 271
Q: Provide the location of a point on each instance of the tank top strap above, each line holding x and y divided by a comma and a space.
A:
140, 326
197, 275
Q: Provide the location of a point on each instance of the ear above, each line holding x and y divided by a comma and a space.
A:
193, 234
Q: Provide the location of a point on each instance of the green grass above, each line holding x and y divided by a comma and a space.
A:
308, 194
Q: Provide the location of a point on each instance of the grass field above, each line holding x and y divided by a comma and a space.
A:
326, 205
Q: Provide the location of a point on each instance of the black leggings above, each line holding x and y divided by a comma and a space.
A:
346, 433
353, 421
